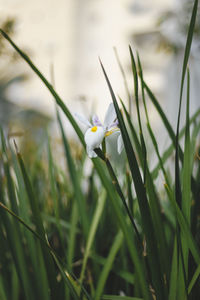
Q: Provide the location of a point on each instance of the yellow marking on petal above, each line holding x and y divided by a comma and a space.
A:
111, 131
94, 129
108, 133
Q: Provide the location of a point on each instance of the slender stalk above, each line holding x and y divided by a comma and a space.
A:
115, 182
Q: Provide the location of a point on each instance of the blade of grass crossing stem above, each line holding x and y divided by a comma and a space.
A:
92, 231
147, 222
108, 265
186, 204
40, 229
125, 275
74, 180
129, 238
48, 85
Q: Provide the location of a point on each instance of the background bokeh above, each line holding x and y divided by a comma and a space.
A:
68, 36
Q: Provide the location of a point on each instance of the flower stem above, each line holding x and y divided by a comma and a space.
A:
115, 182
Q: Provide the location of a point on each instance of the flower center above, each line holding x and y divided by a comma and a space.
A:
94, 129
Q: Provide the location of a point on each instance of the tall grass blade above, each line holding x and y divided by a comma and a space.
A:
108, 265
92, 231
147, 222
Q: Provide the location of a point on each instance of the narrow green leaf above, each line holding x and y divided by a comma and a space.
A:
108, 265
194, 279
92, 231
185, 62
67, 277
142, 200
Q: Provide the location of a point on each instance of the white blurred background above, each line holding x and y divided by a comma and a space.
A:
72, 34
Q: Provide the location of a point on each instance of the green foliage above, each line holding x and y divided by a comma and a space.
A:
68, 235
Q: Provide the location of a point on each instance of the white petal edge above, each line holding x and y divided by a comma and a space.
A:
83, 120
91, 153
120, 144
110, 116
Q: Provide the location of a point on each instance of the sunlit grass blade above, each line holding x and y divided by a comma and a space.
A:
108, 265
92, 231
147, 222
194, 279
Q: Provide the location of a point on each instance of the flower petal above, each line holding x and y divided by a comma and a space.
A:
90, 152
83, 120
120, 144
94, 137
110, 117
96, 121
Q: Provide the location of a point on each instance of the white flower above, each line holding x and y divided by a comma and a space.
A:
96, 131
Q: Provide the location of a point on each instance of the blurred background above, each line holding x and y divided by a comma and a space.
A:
68, 36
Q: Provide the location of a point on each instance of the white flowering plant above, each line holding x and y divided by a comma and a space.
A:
111, 239
97, 132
